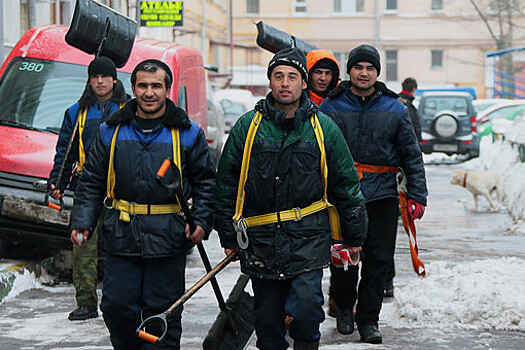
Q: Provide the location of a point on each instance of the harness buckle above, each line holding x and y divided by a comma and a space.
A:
106, 201
242, 236
131, 204
300, 214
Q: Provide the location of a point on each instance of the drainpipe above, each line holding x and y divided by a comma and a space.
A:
138, 16
377, 33
2, 32
203, 34
230, 29
31, 9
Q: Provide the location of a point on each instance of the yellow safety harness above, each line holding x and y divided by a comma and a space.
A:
130, 208
295, 214
81, 125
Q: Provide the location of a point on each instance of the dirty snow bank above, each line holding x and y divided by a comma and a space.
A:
482, 294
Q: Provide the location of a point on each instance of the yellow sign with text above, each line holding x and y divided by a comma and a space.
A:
161, 13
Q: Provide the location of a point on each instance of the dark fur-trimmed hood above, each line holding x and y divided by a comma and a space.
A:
174, 117
88, 96
346, 84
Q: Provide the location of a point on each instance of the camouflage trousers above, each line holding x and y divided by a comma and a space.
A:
85, 275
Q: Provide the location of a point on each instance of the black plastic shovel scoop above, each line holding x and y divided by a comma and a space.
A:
234, 325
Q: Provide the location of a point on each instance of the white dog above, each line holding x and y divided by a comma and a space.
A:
483, 183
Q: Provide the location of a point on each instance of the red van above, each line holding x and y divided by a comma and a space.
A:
39, 80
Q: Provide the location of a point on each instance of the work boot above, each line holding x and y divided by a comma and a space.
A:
332, 308
370, 334
345, 321
82, 313
389, 289
304, 345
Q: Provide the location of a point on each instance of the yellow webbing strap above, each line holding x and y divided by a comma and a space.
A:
292, 214
332, 211
256, 121
81, 125
126, 208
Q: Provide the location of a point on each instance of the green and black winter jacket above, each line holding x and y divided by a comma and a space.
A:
285, 173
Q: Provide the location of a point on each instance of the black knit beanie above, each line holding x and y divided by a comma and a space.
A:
104, 66
364, 53
289, 57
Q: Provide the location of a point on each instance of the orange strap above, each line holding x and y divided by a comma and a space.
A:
367, 168
410, 229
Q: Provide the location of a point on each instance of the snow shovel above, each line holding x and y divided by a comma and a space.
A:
237, 323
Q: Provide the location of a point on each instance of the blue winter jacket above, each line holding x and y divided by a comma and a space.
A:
96, 114
379, 133
137, 158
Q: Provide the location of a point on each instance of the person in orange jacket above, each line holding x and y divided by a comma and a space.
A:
323, 74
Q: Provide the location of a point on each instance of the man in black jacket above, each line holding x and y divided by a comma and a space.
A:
103, 95
147, 239
381, 138
407, 96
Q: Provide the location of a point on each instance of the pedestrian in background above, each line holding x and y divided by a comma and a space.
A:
381, 137
103, 95
290, 180
147, 239
407, 96
323, 74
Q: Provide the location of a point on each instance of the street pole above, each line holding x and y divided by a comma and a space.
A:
138, 16
1, 32
203, 34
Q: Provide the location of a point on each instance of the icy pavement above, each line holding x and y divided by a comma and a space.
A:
472, 297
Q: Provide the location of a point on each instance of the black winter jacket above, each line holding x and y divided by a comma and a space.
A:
379, 133
137, 158
284, 173
408, 100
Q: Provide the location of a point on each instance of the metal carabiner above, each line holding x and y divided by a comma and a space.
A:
242, 236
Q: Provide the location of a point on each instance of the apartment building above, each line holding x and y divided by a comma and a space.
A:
442, 43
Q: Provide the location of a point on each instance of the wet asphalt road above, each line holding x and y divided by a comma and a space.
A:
450, 230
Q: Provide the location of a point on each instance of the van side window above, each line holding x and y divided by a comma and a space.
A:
182, 99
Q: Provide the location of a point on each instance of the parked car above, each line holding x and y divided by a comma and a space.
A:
40, 78
501, 112
448, 123
234, 103
482, 104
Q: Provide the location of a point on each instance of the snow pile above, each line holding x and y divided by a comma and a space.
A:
482, 294
22, 281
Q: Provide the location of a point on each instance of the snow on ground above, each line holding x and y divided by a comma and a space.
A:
483, 294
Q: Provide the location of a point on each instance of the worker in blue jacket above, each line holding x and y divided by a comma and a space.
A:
147, 238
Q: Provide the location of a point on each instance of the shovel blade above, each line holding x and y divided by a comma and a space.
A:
233, 328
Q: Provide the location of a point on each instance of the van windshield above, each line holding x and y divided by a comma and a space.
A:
34, 93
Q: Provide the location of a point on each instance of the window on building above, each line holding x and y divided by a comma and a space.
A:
252, 6
436, 5
299, 6
341, 58
437, 59
348, 6
391, 65
391, 5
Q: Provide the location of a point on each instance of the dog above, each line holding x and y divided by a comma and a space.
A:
483, 183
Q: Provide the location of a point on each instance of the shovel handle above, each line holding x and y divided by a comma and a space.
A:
51, 204
160, 319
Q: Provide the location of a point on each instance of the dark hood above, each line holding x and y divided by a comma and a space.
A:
174, 117
345, 85
88, 96
268, 110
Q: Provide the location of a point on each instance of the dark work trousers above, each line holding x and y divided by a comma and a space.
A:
377, 255
134, 289
300, 297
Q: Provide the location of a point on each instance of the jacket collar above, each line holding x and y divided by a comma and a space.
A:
174, 117
88, 96
346, 84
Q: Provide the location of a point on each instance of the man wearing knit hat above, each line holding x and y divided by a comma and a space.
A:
103, 95
378, 130
323, 74
273, 161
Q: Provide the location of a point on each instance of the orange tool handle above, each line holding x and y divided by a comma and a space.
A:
54, 206
148, 337
163, 168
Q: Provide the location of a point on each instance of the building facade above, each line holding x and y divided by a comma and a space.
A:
442, 43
